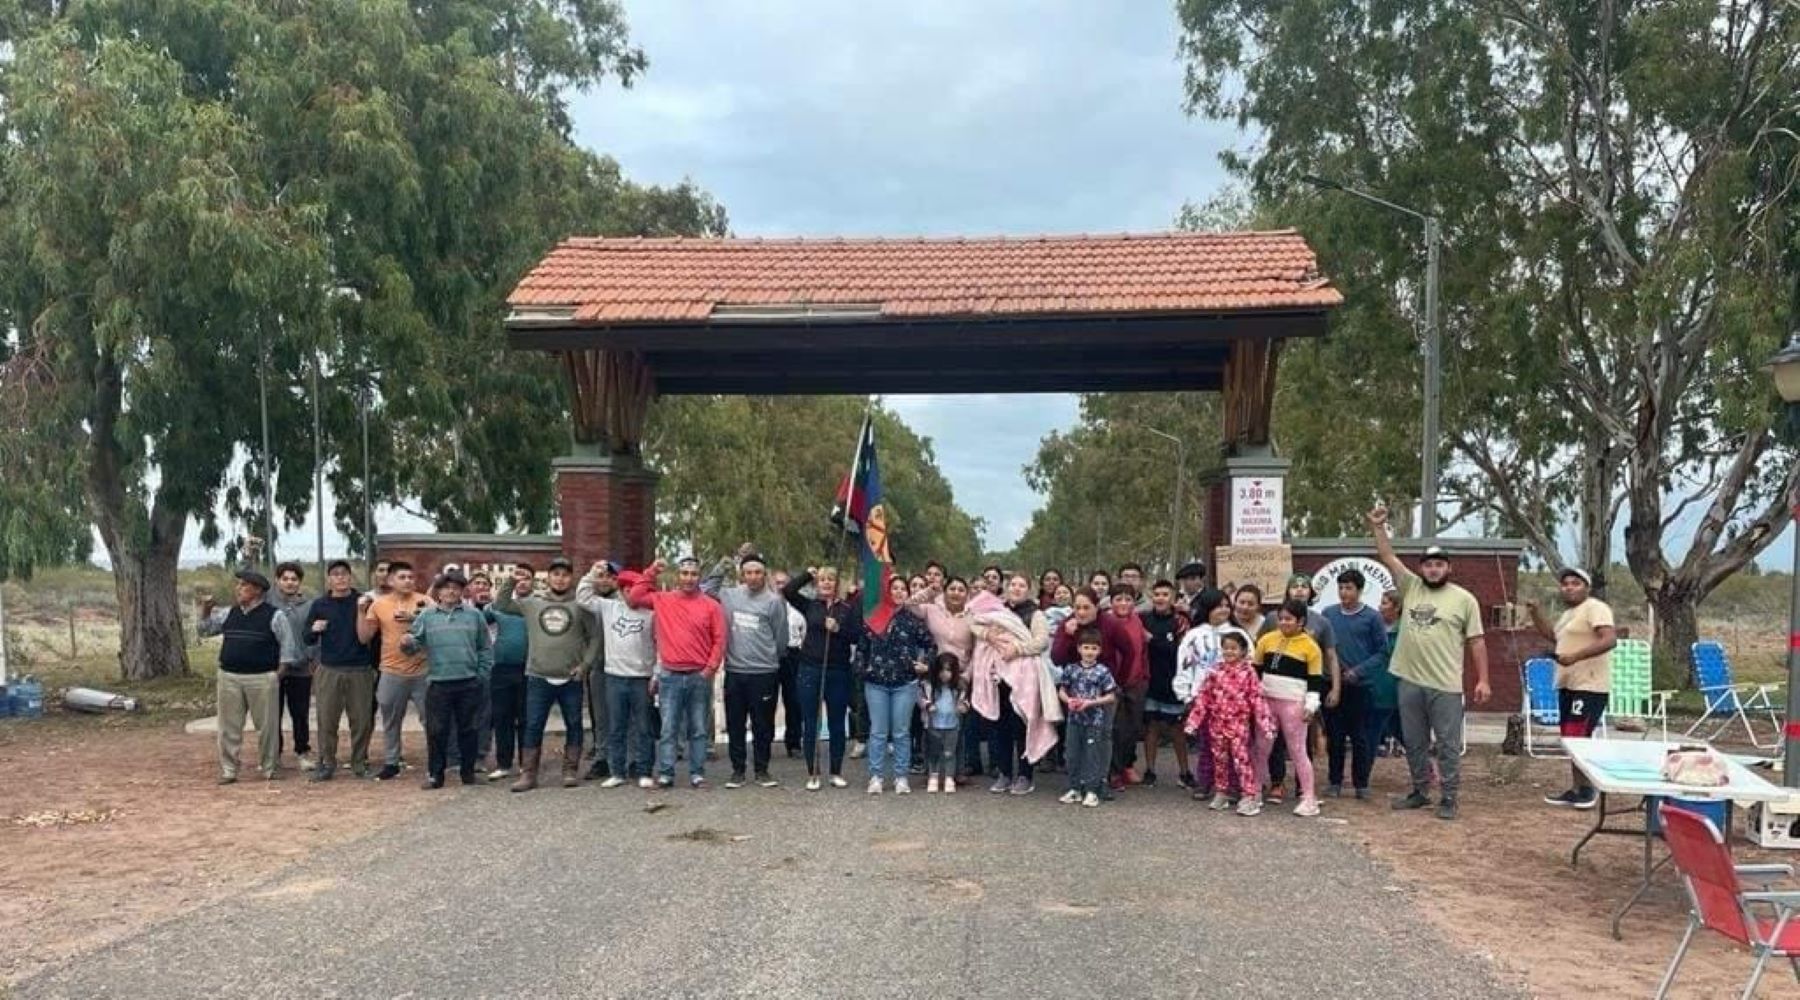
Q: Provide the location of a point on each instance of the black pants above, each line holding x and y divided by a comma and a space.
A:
1006, 738
1348, 723
506, 710
790, 700
750, 698
296, 700
1128, 726
452, 711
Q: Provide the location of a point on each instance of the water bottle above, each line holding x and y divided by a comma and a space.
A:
28, 698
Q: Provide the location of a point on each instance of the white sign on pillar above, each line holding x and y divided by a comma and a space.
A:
1256, 510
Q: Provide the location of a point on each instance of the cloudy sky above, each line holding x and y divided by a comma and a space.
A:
925, 118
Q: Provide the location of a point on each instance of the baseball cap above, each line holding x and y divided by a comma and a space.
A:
561, 562
449, 577
1435, 552
1577, 572
1299, 580
612, 566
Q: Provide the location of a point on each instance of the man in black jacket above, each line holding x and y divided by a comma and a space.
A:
345, 683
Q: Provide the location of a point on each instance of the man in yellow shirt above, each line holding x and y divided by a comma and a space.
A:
1584, 638
1439, 623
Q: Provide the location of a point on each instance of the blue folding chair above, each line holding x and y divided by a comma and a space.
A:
1728, 701
1541, 706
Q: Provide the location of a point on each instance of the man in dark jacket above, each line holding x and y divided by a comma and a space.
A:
345, 682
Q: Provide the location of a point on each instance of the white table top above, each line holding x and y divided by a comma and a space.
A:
1633, 767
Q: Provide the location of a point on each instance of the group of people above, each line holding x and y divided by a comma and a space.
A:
995, 677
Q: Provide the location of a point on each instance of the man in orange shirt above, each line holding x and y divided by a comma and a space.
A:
402, 673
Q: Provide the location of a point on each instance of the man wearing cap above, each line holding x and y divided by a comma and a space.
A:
629, 661
1584, 638
1189, 580
690, 644
246, 685
562, 641
389, 617
345, 683
459, 655
755, 639
1439, 623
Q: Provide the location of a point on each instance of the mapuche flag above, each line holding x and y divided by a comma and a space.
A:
861, 511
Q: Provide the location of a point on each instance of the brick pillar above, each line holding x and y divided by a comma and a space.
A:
608, 507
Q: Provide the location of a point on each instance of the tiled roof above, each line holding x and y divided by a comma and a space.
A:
605, 281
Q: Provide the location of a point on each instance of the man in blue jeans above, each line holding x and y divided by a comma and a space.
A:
690, 642
562, 639
630, 657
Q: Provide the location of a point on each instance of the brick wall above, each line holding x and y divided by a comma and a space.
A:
607, 506
1490, 571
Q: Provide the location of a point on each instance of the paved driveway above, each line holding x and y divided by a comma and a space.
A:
781, 893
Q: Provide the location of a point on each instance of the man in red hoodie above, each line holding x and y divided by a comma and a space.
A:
690, 643
1133, 678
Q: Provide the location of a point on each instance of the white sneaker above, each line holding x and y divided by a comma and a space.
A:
308, 762
1070, 797
949, 785
931, 784
502, 773
612, 782
875, 786
858, 750
1250, 806
646, 782
902, 786
1220, 803
837, 781
812, 784
1307, 807
1091, 800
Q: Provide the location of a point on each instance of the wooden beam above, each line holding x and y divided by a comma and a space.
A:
1249, 390
611, 391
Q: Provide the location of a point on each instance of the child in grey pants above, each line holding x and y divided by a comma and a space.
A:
944, 700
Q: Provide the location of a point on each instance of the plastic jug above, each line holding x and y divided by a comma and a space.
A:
5, 702
28, 698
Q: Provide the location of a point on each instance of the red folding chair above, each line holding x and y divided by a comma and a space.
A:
1715, 888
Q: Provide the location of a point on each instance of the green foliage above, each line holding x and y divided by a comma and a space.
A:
1109, 483
767, 469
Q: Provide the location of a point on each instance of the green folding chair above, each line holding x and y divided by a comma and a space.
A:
1633, 694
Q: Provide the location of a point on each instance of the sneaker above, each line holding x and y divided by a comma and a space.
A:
360, 770
1130, 776
696, 781
319, 774
1186, 779
1567, 798
1589, 798
1116, 783
1274, 795
308, 762
859, 750
1023, 786
1250, 806
902, 786
502, 773
646, 782
1219, 803
766, 780
665, 782
227, 779
600, 769
388, 773
1446, 809
1362, 795
432, 784
1149, 778
916, 767
273, 774
1201, 794
949, 786
931, 785
812, 784
1091, 801
736, 780
1107, 794
1001, 786
1307, 807
612, 781
1069, 797
1412, 800
1334, 791
874, 786
837, 781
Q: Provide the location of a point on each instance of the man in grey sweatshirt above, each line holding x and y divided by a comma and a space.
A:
630, 662
562, 640
756, 637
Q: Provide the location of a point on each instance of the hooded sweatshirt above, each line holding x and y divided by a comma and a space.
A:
561, 637
690, 626
630, 633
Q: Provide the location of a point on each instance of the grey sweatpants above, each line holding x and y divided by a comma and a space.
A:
1430, 717
392, 693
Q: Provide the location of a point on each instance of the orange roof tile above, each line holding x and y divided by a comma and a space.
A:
635, 281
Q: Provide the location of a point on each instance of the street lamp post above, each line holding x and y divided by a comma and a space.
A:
1175, 503
1786, 367
1433, 380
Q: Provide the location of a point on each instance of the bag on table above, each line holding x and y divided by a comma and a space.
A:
1700, 768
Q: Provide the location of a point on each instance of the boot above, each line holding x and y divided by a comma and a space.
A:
528, 770
571, 767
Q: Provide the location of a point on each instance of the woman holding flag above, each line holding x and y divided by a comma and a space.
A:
834, 628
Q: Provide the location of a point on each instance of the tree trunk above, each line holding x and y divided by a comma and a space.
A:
1677, 629
152, 641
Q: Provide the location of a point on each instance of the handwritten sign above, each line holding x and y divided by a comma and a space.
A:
1256, 511
1266, 566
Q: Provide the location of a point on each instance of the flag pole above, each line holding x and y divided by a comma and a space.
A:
843, 535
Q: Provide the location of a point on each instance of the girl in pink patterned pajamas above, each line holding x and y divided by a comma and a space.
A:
1228, 703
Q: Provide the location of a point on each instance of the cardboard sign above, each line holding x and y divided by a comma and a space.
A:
1266, 566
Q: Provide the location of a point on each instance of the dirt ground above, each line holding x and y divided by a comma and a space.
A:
105, 829
1499, 882
132, 830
